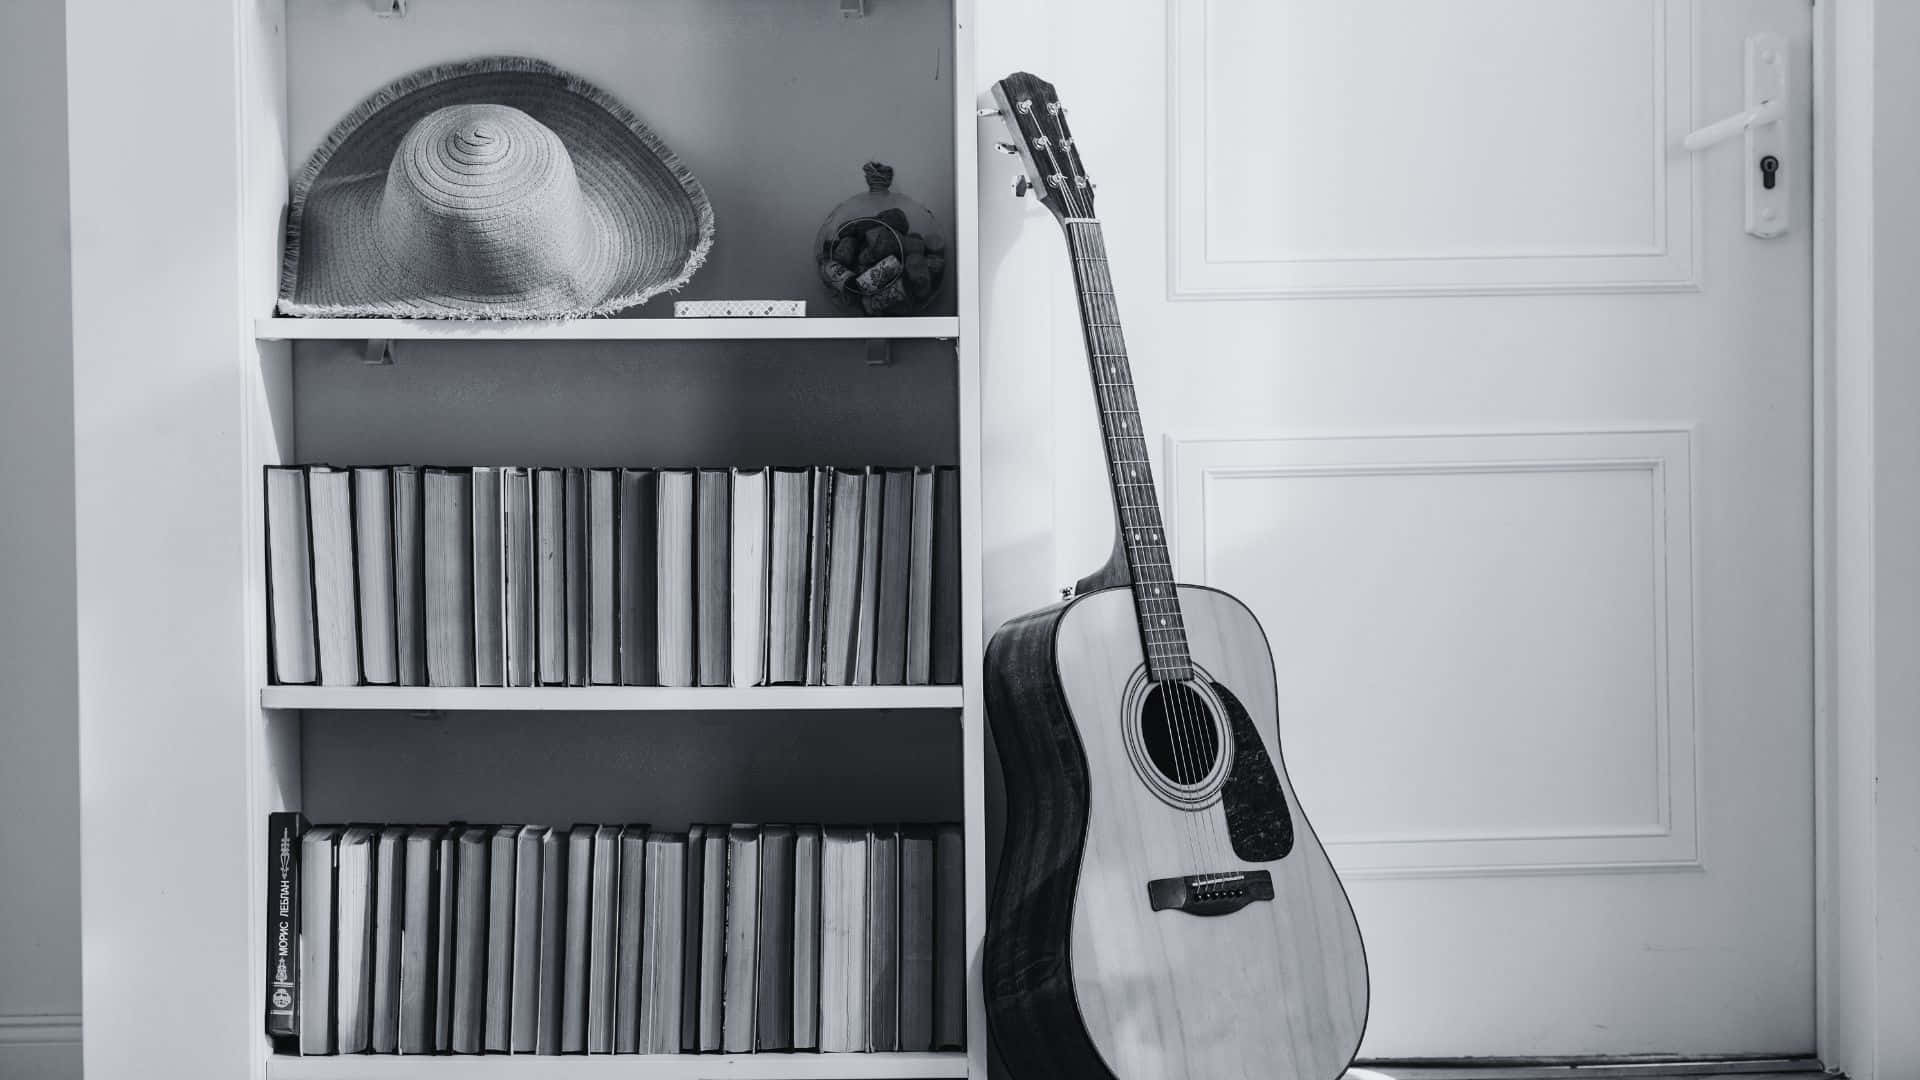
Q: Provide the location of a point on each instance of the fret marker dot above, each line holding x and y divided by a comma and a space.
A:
1163, 620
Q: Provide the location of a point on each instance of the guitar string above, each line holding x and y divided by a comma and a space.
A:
1189, 717
1104, 391
1102, 317
1209, 745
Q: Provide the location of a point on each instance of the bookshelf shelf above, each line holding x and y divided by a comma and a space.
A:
608, 698
931, 327
628, 1067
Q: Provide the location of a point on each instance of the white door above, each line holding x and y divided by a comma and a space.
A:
1471, 382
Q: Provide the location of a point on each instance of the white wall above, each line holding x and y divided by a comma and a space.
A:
39, 804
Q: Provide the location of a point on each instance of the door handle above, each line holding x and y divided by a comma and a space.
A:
1769, 167
1767, 112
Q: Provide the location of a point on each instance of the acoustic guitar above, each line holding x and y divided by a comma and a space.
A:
1163, 910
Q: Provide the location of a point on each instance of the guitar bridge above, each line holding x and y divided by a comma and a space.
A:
1210, 894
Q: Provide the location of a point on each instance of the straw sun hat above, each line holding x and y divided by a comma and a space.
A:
501, 188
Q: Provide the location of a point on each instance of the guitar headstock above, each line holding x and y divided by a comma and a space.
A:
1040, 136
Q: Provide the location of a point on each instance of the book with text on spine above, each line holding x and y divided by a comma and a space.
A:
284, 830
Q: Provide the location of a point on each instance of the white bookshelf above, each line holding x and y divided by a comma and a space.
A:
812, 328
610, 698
186, 379
635, 1067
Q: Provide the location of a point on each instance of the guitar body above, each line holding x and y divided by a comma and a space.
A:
1084, 978
1163, 911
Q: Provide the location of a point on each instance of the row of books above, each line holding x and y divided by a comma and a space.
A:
416, 576
521, 939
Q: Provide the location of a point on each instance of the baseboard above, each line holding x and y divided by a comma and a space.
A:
54, 1030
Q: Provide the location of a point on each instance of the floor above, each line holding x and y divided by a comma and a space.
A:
1650, 1068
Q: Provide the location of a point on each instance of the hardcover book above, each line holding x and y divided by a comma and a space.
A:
520, 558
806, 938
675, 629
553, 939
290, 578
445, 894
550, 576
409, 575
896, 580
866, 616
713, 937
602, 939
638, 572
502, 865
749, 563
787, 553
773, 980
883, 939
916, 938
693, 902
470, 941
819, 540
319, 869
843, 577
284, 829
573, 999
489, 582
843, 940
373, 552
449, 556
603, 588
661, 949
949, 939
946, 577
578, 616
330, 519
920, 583
628, 931
523, 1017
712, 577
390, 868
743, 917
353, 940
419, 929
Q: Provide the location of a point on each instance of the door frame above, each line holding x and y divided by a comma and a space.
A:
1866, 540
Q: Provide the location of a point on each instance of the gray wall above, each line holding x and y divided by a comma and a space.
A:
39, 800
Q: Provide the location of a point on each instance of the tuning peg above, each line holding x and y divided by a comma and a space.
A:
984, 113
1021, 185
1006, 148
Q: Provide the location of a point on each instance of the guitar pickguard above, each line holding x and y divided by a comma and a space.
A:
1258, 822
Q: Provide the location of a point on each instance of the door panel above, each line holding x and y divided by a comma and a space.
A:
1505, 624
1403, 145
1470, 382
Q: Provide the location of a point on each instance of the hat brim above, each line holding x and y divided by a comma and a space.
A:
651, 225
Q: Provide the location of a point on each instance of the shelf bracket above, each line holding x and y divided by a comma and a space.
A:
853, 9
880, 351
390, 9
379, 352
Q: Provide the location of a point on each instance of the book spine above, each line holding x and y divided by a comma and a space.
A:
773, 1024
283, 924
691, 900
806, 938
576, 564
883, 940
950, 939
410, 576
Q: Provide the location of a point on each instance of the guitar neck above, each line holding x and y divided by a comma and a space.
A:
1163, 635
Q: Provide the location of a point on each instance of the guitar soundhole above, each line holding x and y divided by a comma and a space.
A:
1179, 733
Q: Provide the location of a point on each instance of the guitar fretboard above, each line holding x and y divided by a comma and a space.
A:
1156, 604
